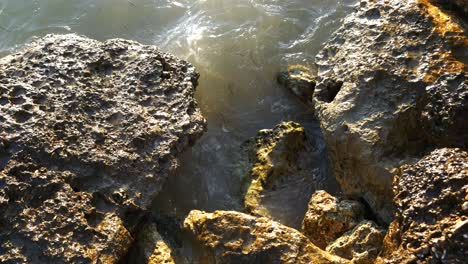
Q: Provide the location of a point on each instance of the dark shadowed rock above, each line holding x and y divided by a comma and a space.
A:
89, 132
391, 86
431, 223
233, 237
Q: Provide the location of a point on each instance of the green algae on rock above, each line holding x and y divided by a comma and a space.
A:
283, 173
233, 237
90, 132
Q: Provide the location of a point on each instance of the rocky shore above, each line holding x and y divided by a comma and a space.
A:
90, 131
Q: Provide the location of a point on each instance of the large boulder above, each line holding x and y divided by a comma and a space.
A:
391, 86
285, 169
89, 132
431, 224
233, 237
328, 217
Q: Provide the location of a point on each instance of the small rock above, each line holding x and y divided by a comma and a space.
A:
362, 244
299, 80
329, 217
284, 171
152, 247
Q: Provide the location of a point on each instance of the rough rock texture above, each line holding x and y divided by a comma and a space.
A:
152, 247
300, 80
89, 133
431, 224
390, 87
232, 237
362, 244
284, 172
328, 217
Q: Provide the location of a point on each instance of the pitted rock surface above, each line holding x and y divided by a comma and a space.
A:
89, 132
233, 237
391, 86
431, 224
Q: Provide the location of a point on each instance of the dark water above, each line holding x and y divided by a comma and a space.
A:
238, 47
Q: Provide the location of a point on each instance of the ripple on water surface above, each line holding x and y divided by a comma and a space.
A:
238, 46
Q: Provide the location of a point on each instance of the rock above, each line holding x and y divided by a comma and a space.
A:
233, 237
328, 217
391, 86
299, 80
431, 223
284, 171
89, 132
152, 247
362, 245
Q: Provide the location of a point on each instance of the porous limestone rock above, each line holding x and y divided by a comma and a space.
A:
233, 237
89, 132
431, 223
300, 80
285, 169
391, 86
328, 217
362, 244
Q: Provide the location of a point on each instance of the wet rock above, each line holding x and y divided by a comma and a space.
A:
90, 131
391, 86
431, 223
233, 237
284, 172
328, 217
362, 244
300, 80
152, 247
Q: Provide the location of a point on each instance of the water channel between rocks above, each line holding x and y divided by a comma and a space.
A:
238, 46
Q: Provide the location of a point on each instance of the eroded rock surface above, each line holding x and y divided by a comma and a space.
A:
286, 169
89, 132
152, 247
328, 217
431, 224
391, 87
362, 244
233, 237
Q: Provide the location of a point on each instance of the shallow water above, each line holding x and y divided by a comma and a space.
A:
238, 46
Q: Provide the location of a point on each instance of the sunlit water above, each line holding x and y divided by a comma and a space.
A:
238, 46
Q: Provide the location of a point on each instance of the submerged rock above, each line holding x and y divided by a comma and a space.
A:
299, 80
362, 244
284, 172
152, 247
391, 86
431, 224
233, 237
328, 217
89, 132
